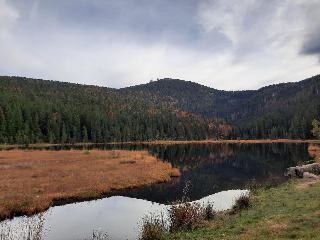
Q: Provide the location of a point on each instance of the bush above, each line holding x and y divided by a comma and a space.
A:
153, 228
185, 216
209, 212
243, 202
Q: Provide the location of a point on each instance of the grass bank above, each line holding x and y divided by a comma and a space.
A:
222, 141
289, 211
31, 181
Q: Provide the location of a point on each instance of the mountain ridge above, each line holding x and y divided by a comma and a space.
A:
156, 81
163, 109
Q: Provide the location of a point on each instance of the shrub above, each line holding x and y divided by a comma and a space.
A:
153, 228
185, 216
253, 186
209, 212
243, 202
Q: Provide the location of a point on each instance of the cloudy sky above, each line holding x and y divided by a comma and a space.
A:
223, 44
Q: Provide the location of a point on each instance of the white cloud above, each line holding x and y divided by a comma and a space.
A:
266, 38
261, 45
13, 58
8, 16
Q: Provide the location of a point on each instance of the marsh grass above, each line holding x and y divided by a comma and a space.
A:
29, 229
98, 157
69, 176
209, 211
115, 154
186, 216
153, 228
181, 216
128, 162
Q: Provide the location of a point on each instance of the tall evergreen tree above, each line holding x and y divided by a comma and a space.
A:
316, 128
85, 138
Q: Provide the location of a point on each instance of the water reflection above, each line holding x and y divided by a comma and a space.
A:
118, 216
218, 167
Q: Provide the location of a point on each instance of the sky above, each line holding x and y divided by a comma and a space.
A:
230, 45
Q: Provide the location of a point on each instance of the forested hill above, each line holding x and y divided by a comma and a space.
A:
283, 110
48, 111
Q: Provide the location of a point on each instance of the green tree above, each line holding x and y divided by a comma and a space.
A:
64, 135
2, 126
84, 135
316, 128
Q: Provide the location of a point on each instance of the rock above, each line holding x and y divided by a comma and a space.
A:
291, 172
299, 171
308, 175
311, 168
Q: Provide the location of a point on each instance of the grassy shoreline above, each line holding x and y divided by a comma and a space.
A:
162, 142
289, 211
32, 181
253, 141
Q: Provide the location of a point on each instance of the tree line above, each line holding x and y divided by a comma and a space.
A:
283, 110
33, 112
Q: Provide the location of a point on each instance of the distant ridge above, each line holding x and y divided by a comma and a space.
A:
34, 110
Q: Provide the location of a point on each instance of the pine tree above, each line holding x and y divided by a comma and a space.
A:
64, 135
316, 128
84, 135
2, 126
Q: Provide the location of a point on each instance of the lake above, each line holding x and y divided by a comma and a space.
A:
215, 173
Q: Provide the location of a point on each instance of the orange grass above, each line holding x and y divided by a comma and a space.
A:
314, 151
31, 181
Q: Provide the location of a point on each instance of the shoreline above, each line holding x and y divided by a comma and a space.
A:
253, 141
93, 195
160, 142
290, 210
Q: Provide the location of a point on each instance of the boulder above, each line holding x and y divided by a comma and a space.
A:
299, 171
308, 175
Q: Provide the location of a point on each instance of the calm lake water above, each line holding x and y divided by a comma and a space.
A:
215, 173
